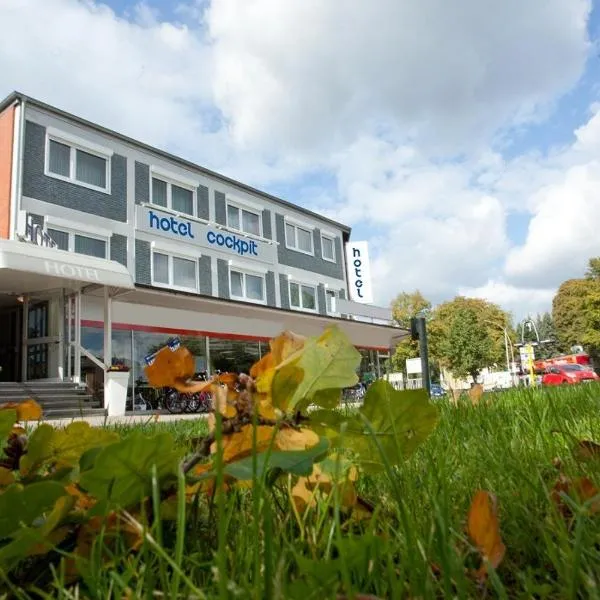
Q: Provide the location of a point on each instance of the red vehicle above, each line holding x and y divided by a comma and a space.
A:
568, 373
580, 358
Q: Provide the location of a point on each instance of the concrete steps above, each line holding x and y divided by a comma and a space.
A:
59, 400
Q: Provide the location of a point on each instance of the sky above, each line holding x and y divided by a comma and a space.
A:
460, 139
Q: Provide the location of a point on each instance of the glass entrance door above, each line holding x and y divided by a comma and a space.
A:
10, 343
38, 341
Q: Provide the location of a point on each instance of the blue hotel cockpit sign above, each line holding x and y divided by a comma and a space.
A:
178, 228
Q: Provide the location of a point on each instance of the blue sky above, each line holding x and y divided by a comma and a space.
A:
463, 163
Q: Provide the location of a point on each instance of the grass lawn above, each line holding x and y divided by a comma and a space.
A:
415, 545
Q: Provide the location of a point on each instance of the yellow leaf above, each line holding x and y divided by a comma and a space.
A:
223, 400
302, 497
83, 501
239, 444
483, 528
6, 477
28, 410
292, 439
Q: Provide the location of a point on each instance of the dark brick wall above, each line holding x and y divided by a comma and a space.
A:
322, 300
205, 275
299, 260
220, 208
223, 278
118, 248
70, 195
270, 284
202, 202
266, 219
143, 256
284, 291
142, 183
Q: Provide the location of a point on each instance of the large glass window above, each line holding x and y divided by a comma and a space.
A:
173, 196
174, 271
244, 220
78, 166
298, 238
303, 297
79, 243
233, 355
246, 286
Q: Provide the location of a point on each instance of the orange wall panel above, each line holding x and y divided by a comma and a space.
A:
7, 119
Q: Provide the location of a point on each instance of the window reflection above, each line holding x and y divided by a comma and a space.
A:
233, 356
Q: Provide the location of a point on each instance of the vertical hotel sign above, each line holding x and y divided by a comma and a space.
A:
359, 272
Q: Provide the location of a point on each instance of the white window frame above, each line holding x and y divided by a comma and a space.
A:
245, 272
83, 233
335, 294
171, 255
240, 205
331, 238
74, 144
173, 179
305, 284
297, 225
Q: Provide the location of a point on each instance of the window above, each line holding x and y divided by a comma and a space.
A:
174, 271
303, 297
331, 304
328, 248
79, 243
78, 165
244, 220
246, 286
298, 238
173, 196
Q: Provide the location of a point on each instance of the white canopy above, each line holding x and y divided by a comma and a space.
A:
27, 268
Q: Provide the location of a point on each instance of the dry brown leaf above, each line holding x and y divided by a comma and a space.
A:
586, 449
224, 400
6, 477
83, 501
295, 439
239, 444
475, 393
52, 540
582, 488
483, 528
28, 410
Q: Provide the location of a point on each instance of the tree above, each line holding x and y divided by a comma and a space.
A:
576, 314
593, 270
544, 326
404, 307
467, 334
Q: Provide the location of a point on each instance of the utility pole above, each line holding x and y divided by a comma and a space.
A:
418, 331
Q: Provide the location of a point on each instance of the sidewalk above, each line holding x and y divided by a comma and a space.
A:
127, 420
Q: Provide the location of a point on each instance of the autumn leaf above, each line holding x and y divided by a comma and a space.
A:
239, 444
295, 439
579, 488
173, 368
483, 528
586, 449
224, 400
324, 363
27, 410
475, 394
6, 477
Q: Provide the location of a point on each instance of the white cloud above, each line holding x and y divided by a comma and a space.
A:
381, 95
311, 73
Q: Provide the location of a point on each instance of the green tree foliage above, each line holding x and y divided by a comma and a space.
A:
467, 334
404, 307
576, 314
593, 270
546, 332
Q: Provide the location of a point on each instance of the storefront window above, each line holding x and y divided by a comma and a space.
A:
234, 356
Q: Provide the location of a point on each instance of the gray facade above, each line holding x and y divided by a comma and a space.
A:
36, 184
114, 216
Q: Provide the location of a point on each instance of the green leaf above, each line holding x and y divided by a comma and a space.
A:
328, 362
7, 420
21, 505
122, 472
400, 420
296, 462
62, 448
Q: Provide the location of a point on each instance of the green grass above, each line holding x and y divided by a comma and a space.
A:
257, 550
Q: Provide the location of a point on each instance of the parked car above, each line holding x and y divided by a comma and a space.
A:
568, 374
437, 391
